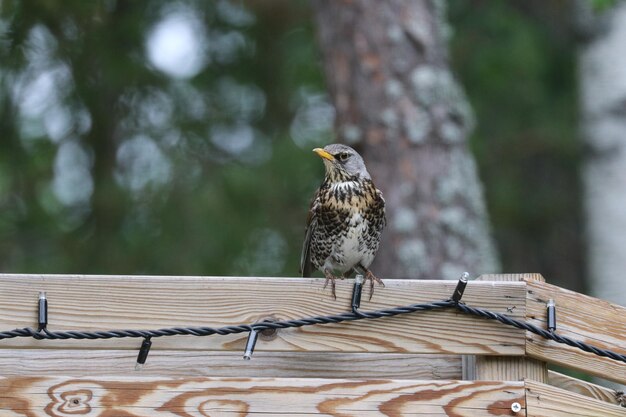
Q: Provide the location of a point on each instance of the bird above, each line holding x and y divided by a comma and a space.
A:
345, 220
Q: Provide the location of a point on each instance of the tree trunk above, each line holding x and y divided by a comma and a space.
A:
602, 78
397, 102
603, 106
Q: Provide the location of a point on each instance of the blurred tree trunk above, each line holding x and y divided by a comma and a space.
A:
100, 89
397, 102
602, 78
603, 105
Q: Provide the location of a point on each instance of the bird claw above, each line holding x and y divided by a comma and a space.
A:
368, 276
330, 278
371, 277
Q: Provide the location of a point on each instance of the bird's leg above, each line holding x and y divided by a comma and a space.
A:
330, 278
371, 277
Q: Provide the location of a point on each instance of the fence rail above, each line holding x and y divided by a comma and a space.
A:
128, 302
590, 320
403, 365
146, 397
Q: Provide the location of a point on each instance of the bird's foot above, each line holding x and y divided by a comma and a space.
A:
371, 277
330, 278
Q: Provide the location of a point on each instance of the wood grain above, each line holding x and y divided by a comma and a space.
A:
124, 302
586, 388
579, 317
546, 401
512, 277
169, 363
506, 368
151, 397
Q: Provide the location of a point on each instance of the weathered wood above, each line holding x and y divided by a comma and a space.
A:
134, 397
586, 388
546, 401
512, 277
124, 302
506, 368
583, 318
168, 363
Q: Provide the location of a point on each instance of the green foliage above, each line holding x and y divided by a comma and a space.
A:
602, 5
110, 165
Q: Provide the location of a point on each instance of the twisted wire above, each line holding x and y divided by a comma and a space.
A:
208, 331
546, 334
355, 315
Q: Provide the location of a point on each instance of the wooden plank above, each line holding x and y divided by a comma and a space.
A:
587, 389
122, 302
153, 397
168, 363
507, 368
512, 277
579, 317
546, 401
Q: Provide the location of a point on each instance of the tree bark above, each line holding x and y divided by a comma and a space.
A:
398, 103
603, 106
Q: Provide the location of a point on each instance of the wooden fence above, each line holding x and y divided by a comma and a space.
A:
436, 363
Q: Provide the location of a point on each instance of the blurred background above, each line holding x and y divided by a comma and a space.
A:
175, 137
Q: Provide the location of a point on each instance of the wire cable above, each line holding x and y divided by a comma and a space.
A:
355, 315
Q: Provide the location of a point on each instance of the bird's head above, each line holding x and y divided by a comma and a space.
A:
342, 163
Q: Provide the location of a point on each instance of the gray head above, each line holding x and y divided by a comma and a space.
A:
342, 162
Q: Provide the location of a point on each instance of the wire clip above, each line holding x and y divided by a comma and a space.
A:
460, 287
357, 291
143, 353
250, 344
42, 314
551, 307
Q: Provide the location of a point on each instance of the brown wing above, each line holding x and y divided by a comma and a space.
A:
306, 268
382, 206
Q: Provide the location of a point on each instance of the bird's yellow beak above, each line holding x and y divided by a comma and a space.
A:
323, 154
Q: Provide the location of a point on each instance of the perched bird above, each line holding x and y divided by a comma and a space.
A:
345, 221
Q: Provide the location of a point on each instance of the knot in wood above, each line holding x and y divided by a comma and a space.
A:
268, 334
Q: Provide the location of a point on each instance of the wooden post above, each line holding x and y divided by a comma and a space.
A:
506, 368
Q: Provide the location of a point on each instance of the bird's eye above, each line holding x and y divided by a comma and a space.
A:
343, 156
